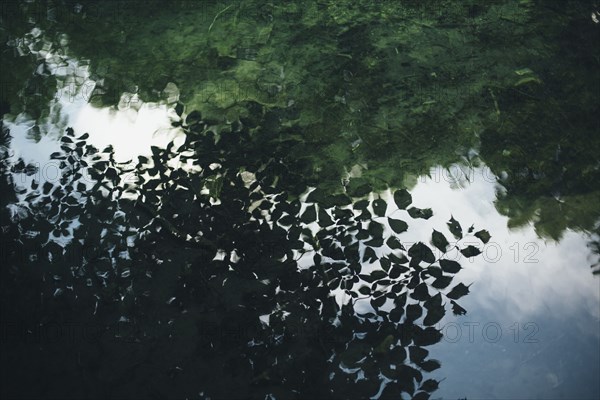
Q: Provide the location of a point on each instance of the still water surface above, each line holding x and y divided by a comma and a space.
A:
383, 105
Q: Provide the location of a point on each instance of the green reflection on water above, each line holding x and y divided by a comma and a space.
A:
385, 90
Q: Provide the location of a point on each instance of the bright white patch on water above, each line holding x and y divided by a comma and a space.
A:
518, 275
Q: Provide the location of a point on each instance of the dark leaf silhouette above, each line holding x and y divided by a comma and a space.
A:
434, 271
483, 235
324, 218
385, 263
378, 302
421, 396
402, 198
439, 241
413, 312
309, 215
361, 205
458, 291
470, 251
394, 244
424, 213
442, 282
370, 255
450, 266
434, 301
457, 309
417, 354
427, 336
379, 207
420, 293
421, 252
398, 225
434, 315
455, 228
401, 259
365, 290
396, 271
430, 385
430, 365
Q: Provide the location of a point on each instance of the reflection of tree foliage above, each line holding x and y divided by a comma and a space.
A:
379, 86
209, 274
546, 141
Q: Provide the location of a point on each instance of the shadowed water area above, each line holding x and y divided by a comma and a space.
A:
300, 199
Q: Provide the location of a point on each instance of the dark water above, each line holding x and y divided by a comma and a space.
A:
324, 199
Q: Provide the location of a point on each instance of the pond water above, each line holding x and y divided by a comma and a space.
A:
348, 199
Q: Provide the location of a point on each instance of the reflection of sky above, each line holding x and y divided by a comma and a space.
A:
541, 295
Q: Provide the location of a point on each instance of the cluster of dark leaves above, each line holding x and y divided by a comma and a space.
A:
204, 282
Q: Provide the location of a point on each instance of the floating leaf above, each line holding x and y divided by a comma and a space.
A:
455, 228
402, 198
470, 251
424, 213
452, 267
483, 235
456, 309
458, 291
439, 241
398, 225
